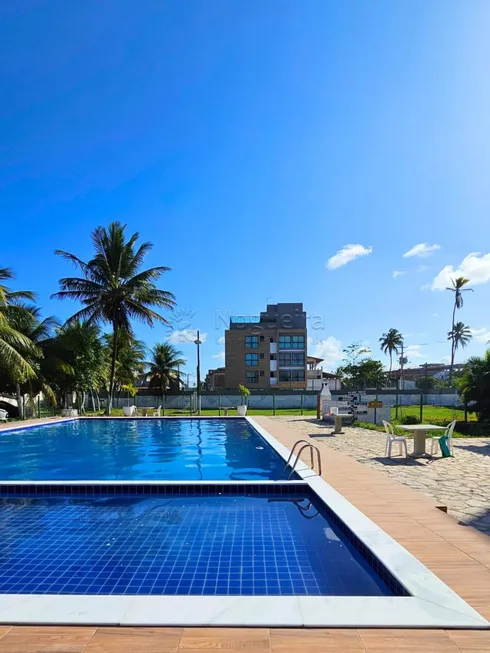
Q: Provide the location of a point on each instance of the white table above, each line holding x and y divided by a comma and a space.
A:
419, 435
338, 421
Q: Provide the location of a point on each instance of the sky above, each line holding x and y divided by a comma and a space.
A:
332, 153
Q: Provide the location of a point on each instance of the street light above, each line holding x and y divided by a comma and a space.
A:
198, 343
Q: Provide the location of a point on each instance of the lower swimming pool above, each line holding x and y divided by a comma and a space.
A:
260, 543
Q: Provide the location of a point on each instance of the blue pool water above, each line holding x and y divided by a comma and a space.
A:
206, 545
105, 449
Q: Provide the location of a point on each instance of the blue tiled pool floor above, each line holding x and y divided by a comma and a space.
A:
214, 545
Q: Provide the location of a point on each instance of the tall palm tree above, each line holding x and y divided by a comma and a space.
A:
165, 367
458, 288
113, 289
460, 336
14, 346
390, 343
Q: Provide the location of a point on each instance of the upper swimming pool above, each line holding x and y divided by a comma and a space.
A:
130, 449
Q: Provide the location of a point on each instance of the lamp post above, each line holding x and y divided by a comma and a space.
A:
198, 343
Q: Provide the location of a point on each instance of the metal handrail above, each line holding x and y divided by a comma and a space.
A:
311, 447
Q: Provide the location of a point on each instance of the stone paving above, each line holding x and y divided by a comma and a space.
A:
461, 483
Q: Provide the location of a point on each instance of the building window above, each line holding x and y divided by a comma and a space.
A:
273, 357
297, 360
271, 339
297, 375
251, 377
251, 342
291, 376
261, 355
291, 342
251, 359
291, 359
261, 372
261, 338
273, 375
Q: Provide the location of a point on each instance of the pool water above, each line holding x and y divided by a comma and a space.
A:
127, 449
191, 545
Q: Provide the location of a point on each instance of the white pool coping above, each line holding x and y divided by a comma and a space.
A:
432, 604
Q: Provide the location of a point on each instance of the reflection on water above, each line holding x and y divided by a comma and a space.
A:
103, 449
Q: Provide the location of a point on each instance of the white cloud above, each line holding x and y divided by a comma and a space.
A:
185, 337
422, 268
475, 267
221, 340
220, 356
346, 255
412, 351
435, 314
330, 349
422, 250
481, 335
398, 273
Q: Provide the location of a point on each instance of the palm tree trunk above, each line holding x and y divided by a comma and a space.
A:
92, 399
391, 359
452, 342
115, 332
20, 404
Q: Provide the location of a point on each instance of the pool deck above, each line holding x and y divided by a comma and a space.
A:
458, 554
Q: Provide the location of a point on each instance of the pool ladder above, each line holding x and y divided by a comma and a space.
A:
306, 445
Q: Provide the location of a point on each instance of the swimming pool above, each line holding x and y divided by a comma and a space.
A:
260, 543
240, 549
139, 449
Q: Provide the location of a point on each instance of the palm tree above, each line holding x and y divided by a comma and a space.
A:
460, 336
165, 367
113, 289
131, 357
14, 346
458, 288
475, 385
390, 343
26, 320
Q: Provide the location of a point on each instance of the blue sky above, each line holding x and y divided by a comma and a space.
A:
251, 142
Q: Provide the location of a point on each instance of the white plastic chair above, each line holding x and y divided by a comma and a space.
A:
334, 410
156, 413
434, 441
4, 416
391, 438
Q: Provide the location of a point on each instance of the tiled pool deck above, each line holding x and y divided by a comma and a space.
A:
459, 555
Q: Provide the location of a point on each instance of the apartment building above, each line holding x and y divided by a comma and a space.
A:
267, 351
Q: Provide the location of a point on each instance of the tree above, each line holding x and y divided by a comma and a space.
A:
360, 373
390, 343
14, 346
458, 288
475, 385
131, 357
460, 336
113, 289
165, 367
79, 345
26, 320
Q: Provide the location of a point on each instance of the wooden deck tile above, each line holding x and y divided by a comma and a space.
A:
47, 639
470, 641
316, 641
414, 641
247, 639
134, 640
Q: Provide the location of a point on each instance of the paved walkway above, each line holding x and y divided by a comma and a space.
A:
461, 483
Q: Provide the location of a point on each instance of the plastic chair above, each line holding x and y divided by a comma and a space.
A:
156, 413
434, 441
391, 438
4, 416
